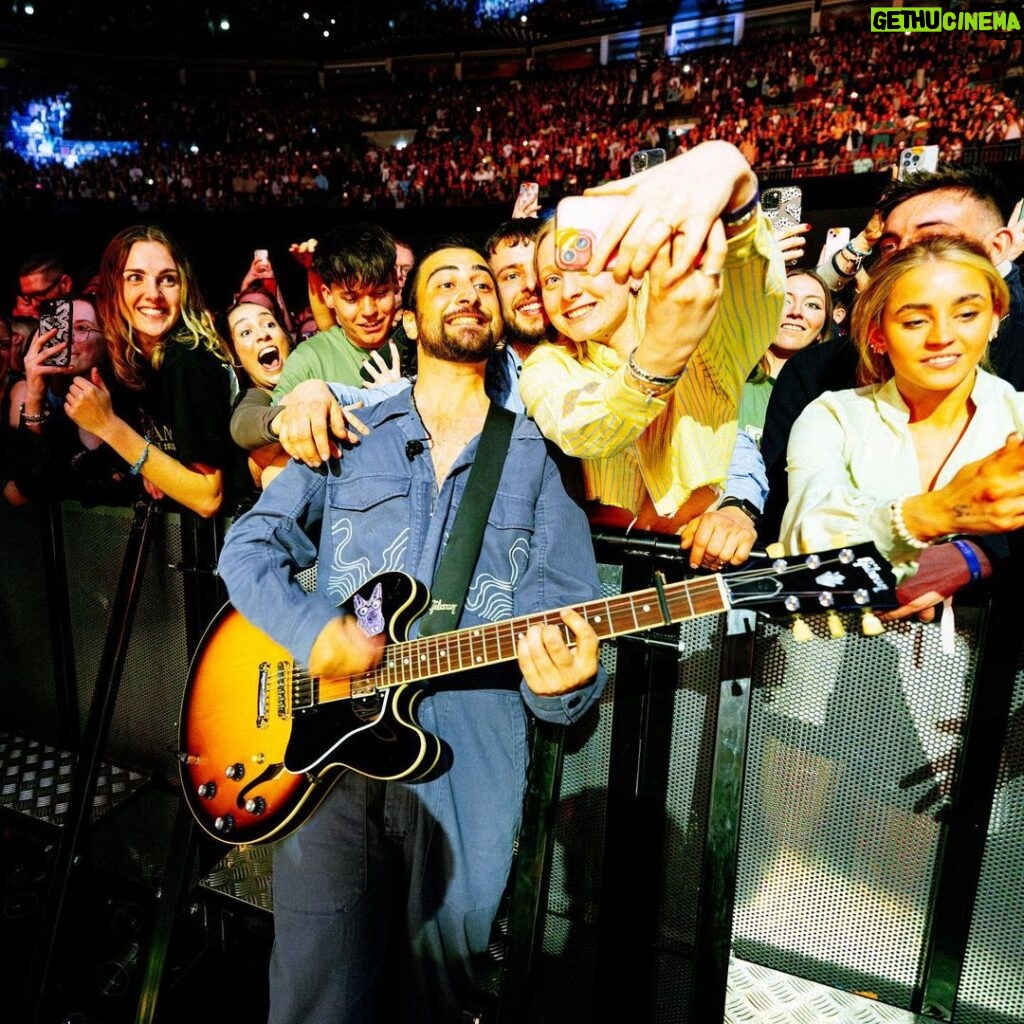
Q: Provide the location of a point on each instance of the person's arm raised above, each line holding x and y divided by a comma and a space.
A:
686, 196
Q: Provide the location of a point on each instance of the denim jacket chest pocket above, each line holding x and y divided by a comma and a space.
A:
366, 529
511, 511
505, 555
365, 491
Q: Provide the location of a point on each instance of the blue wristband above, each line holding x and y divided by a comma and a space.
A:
141, 460
973, 565
743, 214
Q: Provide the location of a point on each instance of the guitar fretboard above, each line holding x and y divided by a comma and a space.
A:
426, 657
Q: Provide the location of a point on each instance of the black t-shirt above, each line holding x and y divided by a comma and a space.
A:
185, 406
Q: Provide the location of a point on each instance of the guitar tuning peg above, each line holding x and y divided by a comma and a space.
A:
835, 626
775, 550
871, 624
801, 631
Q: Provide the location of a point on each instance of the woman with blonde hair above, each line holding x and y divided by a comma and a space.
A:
931, 446
169, 419
645, 382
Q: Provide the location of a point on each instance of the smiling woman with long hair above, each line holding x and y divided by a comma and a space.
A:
932, 446
169, 421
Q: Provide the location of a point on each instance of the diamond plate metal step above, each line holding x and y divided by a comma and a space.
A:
35, 780
244, 874
759, 995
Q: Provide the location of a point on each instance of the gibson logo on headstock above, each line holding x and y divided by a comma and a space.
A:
871, 570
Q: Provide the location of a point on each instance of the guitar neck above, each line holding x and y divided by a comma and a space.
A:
427, 657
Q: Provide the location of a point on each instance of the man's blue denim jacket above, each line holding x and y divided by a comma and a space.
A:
375, 510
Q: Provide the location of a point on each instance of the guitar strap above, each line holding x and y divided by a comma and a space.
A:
454, 571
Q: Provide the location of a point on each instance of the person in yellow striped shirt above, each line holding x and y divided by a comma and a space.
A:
644, 384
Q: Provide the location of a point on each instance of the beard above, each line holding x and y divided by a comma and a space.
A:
514, 331
469, 344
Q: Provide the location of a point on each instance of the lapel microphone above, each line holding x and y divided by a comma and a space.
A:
414, 448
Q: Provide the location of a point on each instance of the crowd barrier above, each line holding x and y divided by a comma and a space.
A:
747, 824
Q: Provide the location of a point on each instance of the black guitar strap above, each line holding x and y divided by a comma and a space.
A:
454, 571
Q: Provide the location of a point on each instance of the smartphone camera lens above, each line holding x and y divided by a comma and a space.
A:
771, 199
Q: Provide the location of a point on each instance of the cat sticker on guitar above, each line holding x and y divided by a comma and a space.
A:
261, 741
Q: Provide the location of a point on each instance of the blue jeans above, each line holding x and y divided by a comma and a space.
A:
386, 896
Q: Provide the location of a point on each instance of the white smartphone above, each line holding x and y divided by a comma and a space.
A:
917, 158
835, 239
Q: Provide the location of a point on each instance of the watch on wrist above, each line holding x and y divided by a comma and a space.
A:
746, 507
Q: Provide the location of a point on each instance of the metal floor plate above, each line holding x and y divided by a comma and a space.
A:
35, 779
244, 874
759, 995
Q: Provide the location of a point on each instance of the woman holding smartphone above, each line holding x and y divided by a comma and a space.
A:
50, 456
169, 419
644, 386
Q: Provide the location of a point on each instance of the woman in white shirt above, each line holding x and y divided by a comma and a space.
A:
932, 445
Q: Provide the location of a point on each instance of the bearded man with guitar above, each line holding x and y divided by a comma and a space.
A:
386, 893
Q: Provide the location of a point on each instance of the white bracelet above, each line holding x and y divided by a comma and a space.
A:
899, 526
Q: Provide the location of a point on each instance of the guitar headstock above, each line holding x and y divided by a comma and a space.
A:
852, 577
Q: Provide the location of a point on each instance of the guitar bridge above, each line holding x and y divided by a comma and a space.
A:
368, 707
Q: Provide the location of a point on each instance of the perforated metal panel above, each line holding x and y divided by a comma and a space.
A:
991, 987
695, 706
851, 745
570, 939
26, 665
143, 731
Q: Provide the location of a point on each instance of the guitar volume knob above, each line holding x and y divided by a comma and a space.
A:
256, 805
208, 790
235, 771
224, 824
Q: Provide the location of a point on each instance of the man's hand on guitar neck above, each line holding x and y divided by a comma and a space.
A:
342, 649
549, 665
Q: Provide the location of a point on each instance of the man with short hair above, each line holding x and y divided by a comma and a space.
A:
357, 266
40, 277
385, 897
511, 254
964, 201
405, 258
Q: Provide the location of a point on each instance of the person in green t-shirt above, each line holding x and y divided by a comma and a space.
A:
356, 265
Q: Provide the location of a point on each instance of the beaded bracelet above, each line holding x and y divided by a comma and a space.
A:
856, 252
141, 460
34, 417
899, 526
648, 377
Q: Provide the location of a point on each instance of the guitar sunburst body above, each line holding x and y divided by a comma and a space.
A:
258, 748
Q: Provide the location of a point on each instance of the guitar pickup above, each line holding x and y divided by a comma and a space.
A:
262, 714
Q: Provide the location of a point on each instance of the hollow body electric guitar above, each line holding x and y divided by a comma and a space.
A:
261, 741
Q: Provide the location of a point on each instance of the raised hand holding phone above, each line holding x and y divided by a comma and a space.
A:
527, 200
55, 318
687, 194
